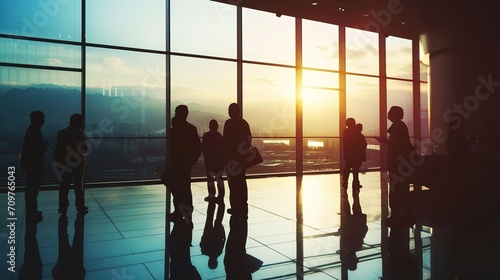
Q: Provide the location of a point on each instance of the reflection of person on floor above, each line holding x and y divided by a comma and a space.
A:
32, 267
214, 237
212, 148
352, 231
70, 260
179, 243
399, 149
235, 259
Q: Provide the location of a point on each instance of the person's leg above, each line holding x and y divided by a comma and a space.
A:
78, 175
220, 184
355, 175
210, 184
345, 175
63, 192
33, 179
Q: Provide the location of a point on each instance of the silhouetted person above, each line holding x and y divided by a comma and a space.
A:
185, 149
213, 154
34, 148
354, 153
235, 260
181, 267
352, 233
32, 266
70, 155
402, 264
237, 139
399, 149
214, 236
70, 259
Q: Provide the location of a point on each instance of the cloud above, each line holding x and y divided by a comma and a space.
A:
115, 62
54, 62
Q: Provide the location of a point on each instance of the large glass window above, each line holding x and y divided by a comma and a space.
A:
130, 23
268, 38
363, 102
39, 53
361, 51
126, 89
203, 27
400, 93
60, 20
206, 86
320, 45
399, 57
269, 100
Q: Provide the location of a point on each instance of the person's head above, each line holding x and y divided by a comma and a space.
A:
396, 113
37, 118
359, 127
234, 110
181, 112
76, 121
213, 125
350, 122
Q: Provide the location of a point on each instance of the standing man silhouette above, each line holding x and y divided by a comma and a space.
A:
185, 149
399, 149
237, 139
34, 148
70, 155
214, 161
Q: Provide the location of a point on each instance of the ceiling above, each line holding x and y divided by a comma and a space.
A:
394, 17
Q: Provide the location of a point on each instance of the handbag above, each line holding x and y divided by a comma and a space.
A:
252, 159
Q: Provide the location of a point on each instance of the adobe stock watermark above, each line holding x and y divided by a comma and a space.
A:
453, 117
122, 107
223, 9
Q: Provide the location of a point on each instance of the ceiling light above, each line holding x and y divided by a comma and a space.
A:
341, 9
314, 3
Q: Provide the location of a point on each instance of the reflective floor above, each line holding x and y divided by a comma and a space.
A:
336, 235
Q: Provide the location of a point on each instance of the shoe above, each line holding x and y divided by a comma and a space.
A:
82, 209
62, 211
219, 200
37, 217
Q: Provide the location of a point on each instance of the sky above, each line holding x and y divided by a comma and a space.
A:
208, 30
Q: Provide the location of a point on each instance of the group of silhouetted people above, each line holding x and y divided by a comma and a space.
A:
221, 152
69, 163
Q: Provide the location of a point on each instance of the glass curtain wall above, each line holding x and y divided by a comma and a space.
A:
119, 81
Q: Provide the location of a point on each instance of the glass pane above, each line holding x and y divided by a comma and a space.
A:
25, 90
203, 27
322, 79
363, 103
125, 93
126, 159
320, 45
361, 51
321, 154
207, 92
269, 100
130, 23
424, 119
399, 57
268, 38
59, 20
400, 93
39, 53
320, 107
278, 155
